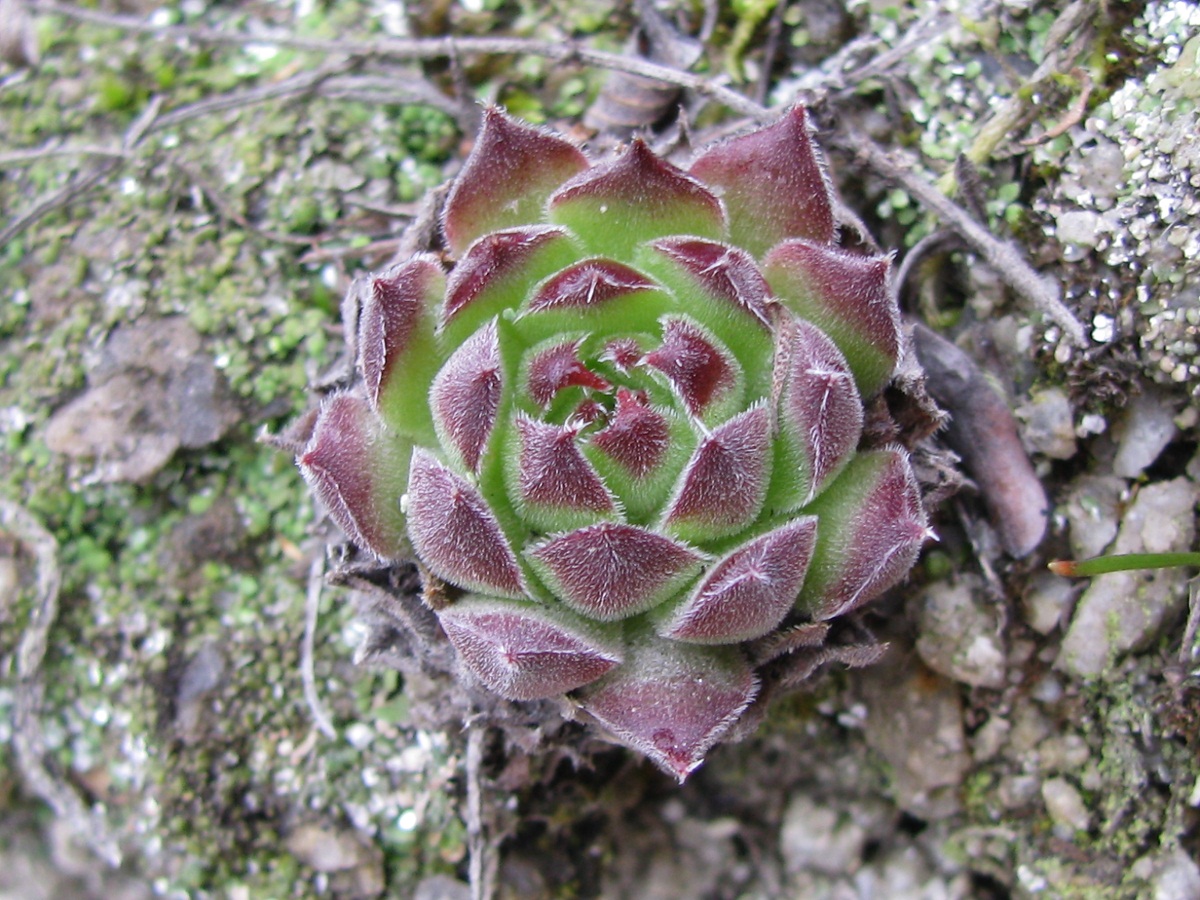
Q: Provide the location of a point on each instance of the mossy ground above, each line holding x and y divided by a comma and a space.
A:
248, 222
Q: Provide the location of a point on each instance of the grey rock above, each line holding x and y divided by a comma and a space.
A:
1092, 508
959, 633
441, 887
820, 838
354, 865
914, 722
1046, 601
1080, 227
152, 391
1065, 805
1143, 432
1049, 424
1177, 877
1122, 611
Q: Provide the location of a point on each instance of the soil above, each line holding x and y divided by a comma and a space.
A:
191, 708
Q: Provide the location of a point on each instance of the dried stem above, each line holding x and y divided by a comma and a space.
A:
312, 608
423, 49
1002, 256
28, 740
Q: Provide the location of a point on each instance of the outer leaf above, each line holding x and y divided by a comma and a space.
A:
820, 414
526, 652
748, 592
671, 701
455, 533
397, 354
507, 179
633, 199
467, 395
872, 529
549, 480
773, 184
611, 571
722, 489
849, 297
498, 273
357, 469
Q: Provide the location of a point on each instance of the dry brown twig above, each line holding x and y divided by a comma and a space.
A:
1002, 256
28, 739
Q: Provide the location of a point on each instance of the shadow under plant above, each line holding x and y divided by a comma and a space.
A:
173, 290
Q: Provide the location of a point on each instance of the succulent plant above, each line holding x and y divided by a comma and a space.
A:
618, 423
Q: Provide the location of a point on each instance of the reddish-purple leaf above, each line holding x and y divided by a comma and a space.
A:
633, 199
636, 436
872, 529
727, 275
498, 272
612, 571
773, 184
624, 353
357, 469
724, 484
553, 368
511, 172
455, 534
672, 702
395, 339
466, 395
552, 483
849, 297
526, 652
702, 372
748, 592
589, 284
820, 410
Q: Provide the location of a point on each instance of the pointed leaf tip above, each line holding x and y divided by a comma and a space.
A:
612, 571
849, 297
525, 652
357, 469
466, 395
635, 198
551, 369
497, 272
872, 529
701, 370
396, 355
589, 284
551, 482
456, 534
724, 484
672, 702
773, 183
511, 172
750, 591
636, 436
724, 273
820, 411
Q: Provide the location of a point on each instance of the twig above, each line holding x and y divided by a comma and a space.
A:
1008, 262
483, 860
28, 740
423, 48
1004, 120
840, 75
312, 607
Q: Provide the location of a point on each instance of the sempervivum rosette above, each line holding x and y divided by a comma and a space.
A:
620, 430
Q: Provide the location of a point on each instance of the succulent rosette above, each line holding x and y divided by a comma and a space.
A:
619, 428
